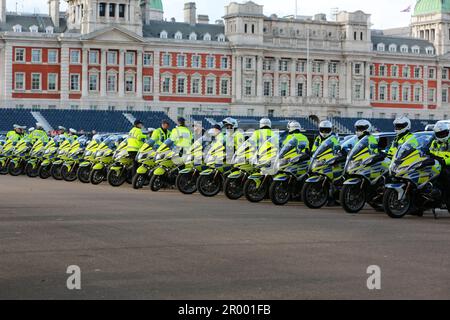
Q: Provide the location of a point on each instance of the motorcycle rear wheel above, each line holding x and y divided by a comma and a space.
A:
352, 198
279, 193
208, 186
233, 189
115, 179
56, 172
253, 193
186, 183
314, 195
83, 174
393, 207
69, 176
32, 173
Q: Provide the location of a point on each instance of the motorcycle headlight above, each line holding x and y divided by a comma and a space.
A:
61, 152
88, 153
99, 153
47, 151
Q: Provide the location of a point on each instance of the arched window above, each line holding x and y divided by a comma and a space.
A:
193, 36
415, 49
207, 37
178, 35
380, 47
163, 34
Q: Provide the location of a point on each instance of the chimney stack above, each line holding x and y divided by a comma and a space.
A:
2, 11
203, 19
53, 7
190, 13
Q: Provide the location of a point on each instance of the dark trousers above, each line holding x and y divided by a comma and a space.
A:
135, 163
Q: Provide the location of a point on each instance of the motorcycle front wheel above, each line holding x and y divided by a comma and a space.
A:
209, 186
314, 195
83, 174
353, 198
68, 175
15, 170
97, 176
116, 179
395, 208
56, 172
44, 172
253, 193
32, 173
138, 181
4, 169
233, 189
186, 183
279, 193
157, 183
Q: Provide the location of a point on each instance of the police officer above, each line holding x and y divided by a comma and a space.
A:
72, 134
440, 150
402, 127
161, 134
16, 134
325, 131
294, 131
136, 139
231, 125
264, 132
39, 133
363, 128
181, 135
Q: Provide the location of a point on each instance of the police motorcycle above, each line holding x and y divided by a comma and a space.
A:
35, 159
5, 156
49, 155
415, 182
186, 181
169, 161
256, 188
74, 157
121, 170
104, 158
146, 159
366, 174
85, 167
243, 167
19, 157
62, 156
326, 172
292, 165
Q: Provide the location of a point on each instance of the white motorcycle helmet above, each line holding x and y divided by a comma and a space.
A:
442, 131
230, 122
362, 127
402, 125
325, 129
265, 122
293, 126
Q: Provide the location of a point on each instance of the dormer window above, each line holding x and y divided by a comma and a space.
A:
207, 37
163, 34
193, 36
392, 48
416, 49
49, 30
178, 36
430, 51
34, 29
221, 38
380, 47
404, 49
17, 28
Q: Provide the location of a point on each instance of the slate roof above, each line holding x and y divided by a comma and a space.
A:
154, 29
28, 20
399, 41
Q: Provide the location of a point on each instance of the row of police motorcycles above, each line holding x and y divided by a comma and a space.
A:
342, 171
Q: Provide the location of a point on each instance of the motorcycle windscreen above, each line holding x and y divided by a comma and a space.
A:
412, 151
361, 152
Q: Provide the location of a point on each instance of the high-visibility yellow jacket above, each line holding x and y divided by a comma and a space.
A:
441, 150
159, 136
136, 139
13, 136
397, 143
39, 135
182, 137
300, 138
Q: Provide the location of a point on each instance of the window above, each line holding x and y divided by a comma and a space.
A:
193, 36
284, 88
372, 70
430, 51
317, 67
93, 82
74, 82
36, 81
432, 73
52, 56
406, 93
404, 49
317, 89
210, 62
332, 68
283, 65
444, 74
102, 9
166, 85
357, 94
301, 66
93, 57
372, 92
166, 60
358, 68
417, 73
112, 58
207, 37
181, 85
392, 48
267, 65
147, 83
405, 71
431, 95
34, 29
163, 35
380, 47
19, 81
300, 89
382, 93
178, 36
417, 94
17, 28
445, 95
224, 87
382, 71
130, 58
121, 11
181, 60
112, 9
111, 83
248, 63
224, 62
394, 71
196, 61
195, 86
74, 56
267, 88
394, 92
19, 55
210, 87
415, 50
248, 87
148, 59
36, 55
221, 38
129, 83
52, 82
